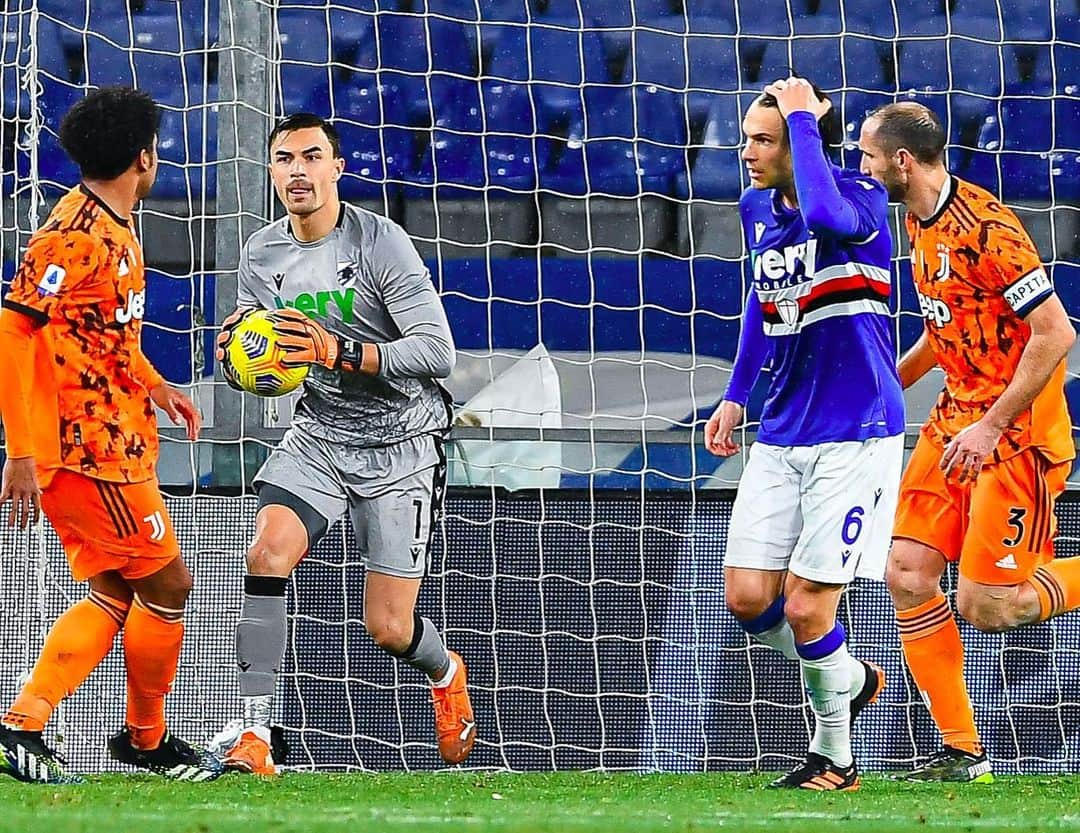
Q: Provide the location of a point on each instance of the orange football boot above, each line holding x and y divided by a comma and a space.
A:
454, 723
251, 753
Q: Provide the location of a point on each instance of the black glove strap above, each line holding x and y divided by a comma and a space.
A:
350, 355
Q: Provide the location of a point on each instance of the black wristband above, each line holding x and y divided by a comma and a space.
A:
350, 355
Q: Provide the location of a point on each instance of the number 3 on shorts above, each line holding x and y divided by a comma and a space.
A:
1016, 520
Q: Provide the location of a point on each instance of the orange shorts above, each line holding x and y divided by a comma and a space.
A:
1000, 528
110, 526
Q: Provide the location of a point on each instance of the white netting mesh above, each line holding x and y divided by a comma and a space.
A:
570, 169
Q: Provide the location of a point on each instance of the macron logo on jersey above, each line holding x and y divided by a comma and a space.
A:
52, 279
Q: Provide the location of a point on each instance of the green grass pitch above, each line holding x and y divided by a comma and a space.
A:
573, 802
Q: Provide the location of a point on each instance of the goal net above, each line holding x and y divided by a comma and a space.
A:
569, 169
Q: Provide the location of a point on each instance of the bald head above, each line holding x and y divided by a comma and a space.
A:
911, 126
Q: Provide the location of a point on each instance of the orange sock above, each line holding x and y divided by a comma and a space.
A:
152, 639
935, 656
77, 642
1057, 584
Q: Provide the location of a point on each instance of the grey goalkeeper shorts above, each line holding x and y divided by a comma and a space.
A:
393, 494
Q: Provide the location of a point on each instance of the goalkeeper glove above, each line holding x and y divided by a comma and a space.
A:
228, 327
307, 342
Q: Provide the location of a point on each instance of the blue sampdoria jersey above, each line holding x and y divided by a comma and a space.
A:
823, 290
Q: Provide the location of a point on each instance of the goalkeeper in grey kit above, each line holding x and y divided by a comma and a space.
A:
352, 299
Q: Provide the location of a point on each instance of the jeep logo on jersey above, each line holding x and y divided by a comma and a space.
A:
136, 307
316, 306
934, 310
775, 269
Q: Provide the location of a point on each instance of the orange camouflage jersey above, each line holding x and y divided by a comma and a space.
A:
977, 276
83, 285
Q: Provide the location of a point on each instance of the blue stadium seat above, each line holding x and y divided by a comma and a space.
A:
375, 150
657, 58
1027, 124
976, 19
413, 47
1025, 176
1029, 69
1067, 68
713, 68
305, 51
923, 65
918, 16
538, 10
1067, 123
822, 23
1065, 176
903, 17
775, 62
58, 172
184, 162
867, 18
352, 39
507, 48
864, 62
457, 9
708, 10
201, 22
52, 57
1067, 20
157, 57
976, 66
106, 63
13, 57
97, 15
718, 169
636, 143
511, 11
854, 106
764, 17
818, 59
976, 79
704, 25
562, 61
374, 159
625, 13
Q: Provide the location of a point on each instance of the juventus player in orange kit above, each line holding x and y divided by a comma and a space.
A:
994, 455
76, 396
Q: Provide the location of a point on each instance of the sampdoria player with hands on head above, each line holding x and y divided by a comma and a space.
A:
352, 299
815, 503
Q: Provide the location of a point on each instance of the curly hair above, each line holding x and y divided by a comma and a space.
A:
105, 132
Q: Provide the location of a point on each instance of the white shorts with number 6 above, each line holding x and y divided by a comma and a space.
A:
823, 512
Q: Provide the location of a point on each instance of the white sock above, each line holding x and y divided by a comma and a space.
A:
828, 684
858, 676
448, 677
780, 638
257, 709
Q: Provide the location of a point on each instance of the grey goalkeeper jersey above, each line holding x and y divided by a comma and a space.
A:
364, 281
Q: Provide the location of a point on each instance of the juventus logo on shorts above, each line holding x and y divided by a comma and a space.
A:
157, 526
